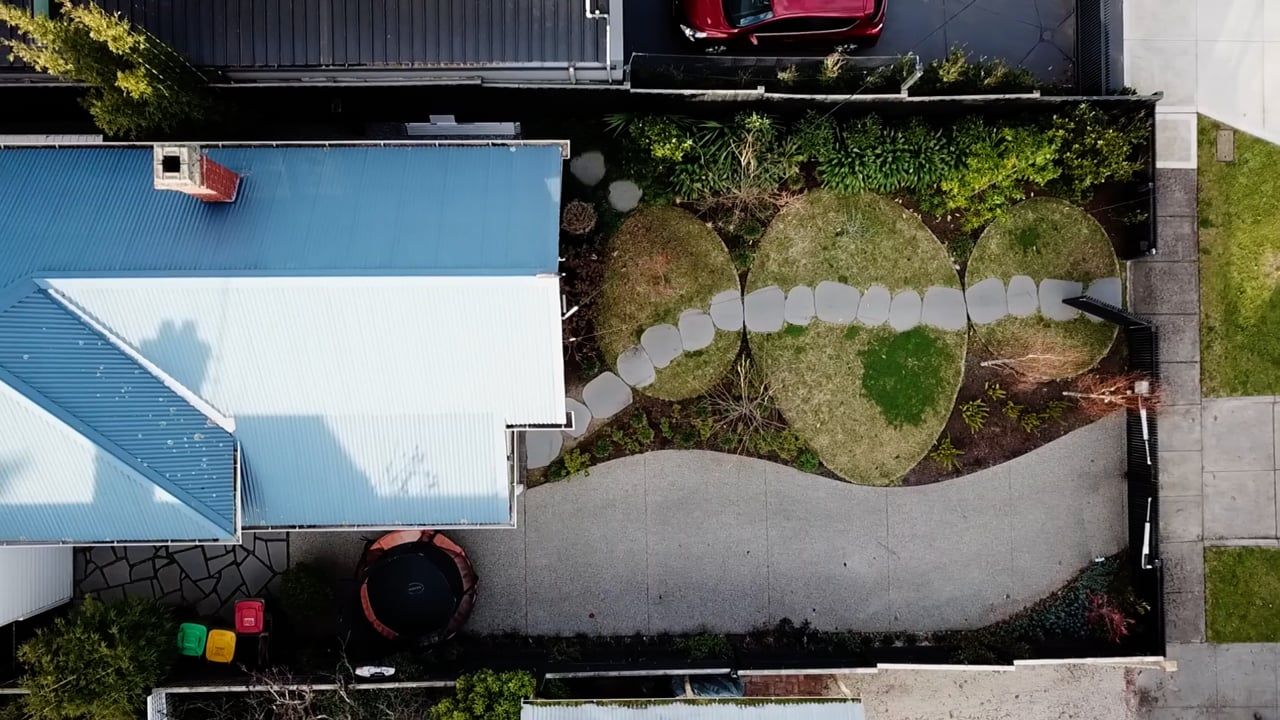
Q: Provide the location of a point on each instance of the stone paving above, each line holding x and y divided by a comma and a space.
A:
209, 578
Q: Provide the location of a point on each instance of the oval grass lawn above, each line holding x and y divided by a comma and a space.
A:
663, 261
1045, 238
869, 401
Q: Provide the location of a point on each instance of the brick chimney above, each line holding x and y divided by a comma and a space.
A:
186, 169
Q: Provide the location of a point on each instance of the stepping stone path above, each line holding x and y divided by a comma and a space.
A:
662, 343
1108, 290
1053, 292
636, 368
581, 418
726, 310
697, 330
1023, 298
541, 447
874, 308
800, 305
624, 195
836, 303
606, 395
588, 168
944, 309
987, 301
210, 578
764, 309
904, 311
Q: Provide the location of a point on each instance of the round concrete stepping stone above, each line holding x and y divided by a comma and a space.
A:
987, 301
874, 308
606, 395
581, 418
764, 309
697, 330
904, 312
726, 310
588, 168
636, 369
944, 309
1108, 290
1053, 292
836, 303
800, 305
663, 344
541, 447
1023, 298
624, 195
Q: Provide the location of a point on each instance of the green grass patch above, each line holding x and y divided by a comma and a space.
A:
903, 374
663, 261
1239, 266
1242, 593
1045, 238
820, 378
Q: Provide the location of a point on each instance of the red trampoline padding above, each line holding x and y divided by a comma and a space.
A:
416, 584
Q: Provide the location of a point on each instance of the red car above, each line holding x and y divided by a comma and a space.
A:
717, 23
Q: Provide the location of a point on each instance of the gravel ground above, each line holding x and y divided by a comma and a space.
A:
1083, 692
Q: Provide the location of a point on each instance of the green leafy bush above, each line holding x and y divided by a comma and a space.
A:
486, 695
98, 662
705, 646
570, 463
1094, 149
946, 454
975, 414
959, 74
306, 593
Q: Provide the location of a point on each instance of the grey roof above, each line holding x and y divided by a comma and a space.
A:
420, 34
696, 709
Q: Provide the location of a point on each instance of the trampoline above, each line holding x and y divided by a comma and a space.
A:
416, 585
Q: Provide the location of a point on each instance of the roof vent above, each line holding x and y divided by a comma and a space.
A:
187, 169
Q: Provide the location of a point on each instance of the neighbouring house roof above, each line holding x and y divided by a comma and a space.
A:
363, 323
695, 709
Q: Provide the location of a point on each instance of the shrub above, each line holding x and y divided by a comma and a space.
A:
1107, 619
306, 593
1095, 149
946, 455
975, 414
705, 646
486, 695
570, 463
957, 73
808, 461
99, 661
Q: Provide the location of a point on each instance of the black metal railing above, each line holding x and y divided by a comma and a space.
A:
1099, 39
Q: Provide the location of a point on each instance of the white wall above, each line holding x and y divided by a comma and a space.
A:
33, 579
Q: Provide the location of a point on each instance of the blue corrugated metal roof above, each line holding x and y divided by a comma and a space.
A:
81, 377
301, 210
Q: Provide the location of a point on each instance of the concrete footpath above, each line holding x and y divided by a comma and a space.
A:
683, 541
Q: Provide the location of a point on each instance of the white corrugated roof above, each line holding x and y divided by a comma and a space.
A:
357, 400
36, 579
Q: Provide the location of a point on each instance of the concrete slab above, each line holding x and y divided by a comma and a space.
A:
588, 167
635, 368
764, 310
499, 556
986, 301
1183, 566
1023, 297
1109, 290
800, 307
726, 310
1184, 616
1164, 287
1230, 79
1233, 20
1179, 337
541, 447
1175, 192
1193, 685
1176, 140
1180, 473
700, 570
904, 311
836, 303
1178, 239
944, 309
1246, 674
606, 395
1160, 19
818, 571
1238, 434
1239, 505
697, 330
1179, 383
873, 310
1053, 292
581, 417
1181, 519
603, 590
1164, 65
624, 195
662, 344
1180, 428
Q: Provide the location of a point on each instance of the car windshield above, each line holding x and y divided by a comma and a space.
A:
741, 13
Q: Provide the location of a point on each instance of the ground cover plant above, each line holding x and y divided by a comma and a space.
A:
1242, 594
1239, 266
1044, 238
661, 262
869, 401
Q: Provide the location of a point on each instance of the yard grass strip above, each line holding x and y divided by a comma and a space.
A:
1242, 594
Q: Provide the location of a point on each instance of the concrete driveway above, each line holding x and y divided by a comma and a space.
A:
689, 541
1037, 34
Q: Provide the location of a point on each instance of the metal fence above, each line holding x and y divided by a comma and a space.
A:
1099, 47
